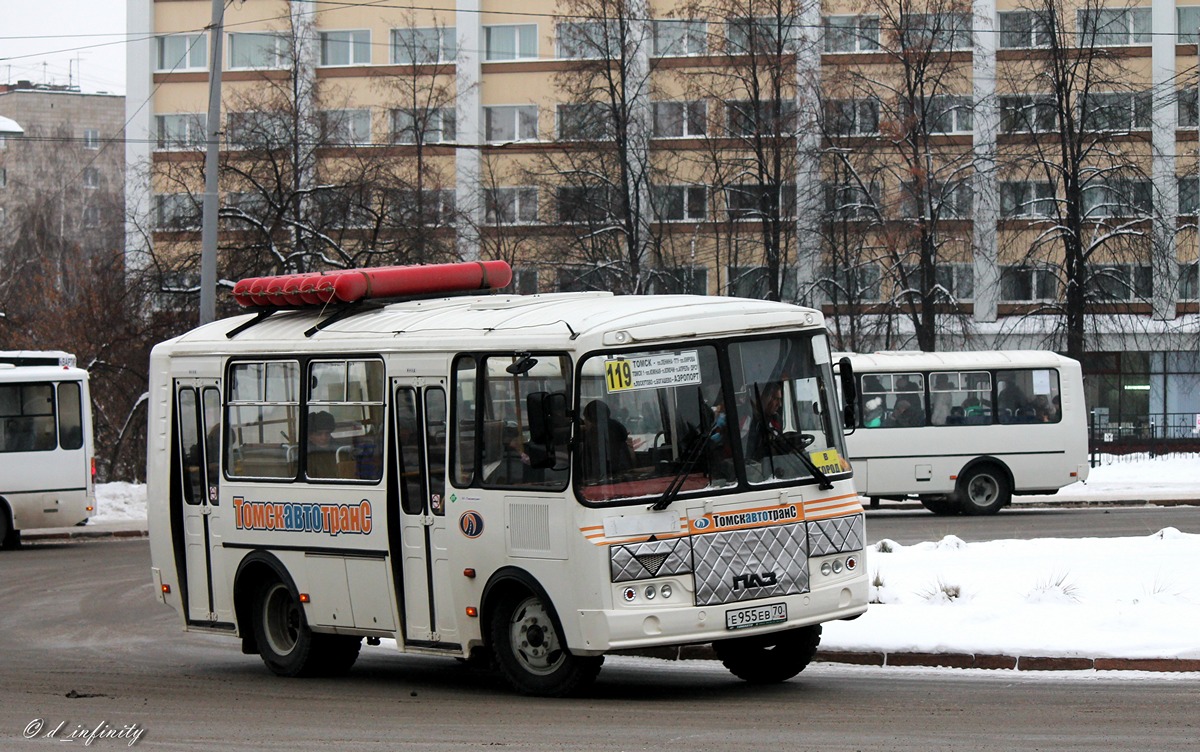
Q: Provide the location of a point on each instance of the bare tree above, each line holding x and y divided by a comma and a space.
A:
1077, 178
601, 176
898, 160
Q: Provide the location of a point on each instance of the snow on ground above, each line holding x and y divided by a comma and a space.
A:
1098, 597
1090, 597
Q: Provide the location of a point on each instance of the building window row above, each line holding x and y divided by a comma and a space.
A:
1018, 29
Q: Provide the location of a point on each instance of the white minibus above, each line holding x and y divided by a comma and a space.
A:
964, 431
544, 478
47, 472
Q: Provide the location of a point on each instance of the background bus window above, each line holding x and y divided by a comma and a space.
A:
264, 410
345, 420
27, 418
958, 398
1028, 396
70, 416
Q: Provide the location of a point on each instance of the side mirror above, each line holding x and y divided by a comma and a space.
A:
547, 414
849, 394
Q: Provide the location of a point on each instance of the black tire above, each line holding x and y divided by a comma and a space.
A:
288, 646
941, 505
530, 652
769, 658
983, 490
9, 538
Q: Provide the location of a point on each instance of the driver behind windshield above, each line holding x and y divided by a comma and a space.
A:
766, 420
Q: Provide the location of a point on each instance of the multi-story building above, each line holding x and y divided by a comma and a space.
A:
62, 159
950, 174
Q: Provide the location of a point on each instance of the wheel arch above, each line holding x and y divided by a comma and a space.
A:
985, 459
256, 568
507, 580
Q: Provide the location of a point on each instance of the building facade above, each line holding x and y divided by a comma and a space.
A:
65, 166
949, 174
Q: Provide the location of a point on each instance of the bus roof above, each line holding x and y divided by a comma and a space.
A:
37, 358
10, 374
901, 360
567, 321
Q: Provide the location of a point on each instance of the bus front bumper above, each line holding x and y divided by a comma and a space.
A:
621, 629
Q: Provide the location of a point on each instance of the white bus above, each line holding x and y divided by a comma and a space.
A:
544, 478
47, 472
965, 431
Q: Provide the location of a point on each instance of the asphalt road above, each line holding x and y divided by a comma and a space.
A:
86, 647
1023, 523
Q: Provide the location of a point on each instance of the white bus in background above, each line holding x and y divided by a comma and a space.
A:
47, 472
965, 431
547, 478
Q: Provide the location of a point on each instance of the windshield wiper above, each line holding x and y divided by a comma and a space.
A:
685, 469
775, 440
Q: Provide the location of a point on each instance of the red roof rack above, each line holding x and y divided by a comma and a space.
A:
354, 285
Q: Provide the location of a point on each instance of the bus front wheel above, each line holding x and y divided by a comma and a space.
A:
983, 490
769, 658
531, 653
288, 646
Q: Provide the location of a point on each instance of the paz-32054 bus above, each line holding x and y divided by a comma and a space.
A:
547, 478
47, 470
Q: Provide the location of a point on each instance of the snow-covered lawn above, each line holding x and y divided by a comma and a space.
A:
1090, 597
1097, 597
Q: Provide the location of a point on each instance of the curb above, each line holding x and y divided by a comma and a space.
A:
80, 534
950, 660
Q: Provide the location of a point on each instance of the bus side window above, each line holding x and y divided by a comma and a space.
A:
70, 416
435, 447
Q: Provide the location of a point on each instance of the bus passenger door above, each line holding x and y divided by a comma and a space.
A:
419, 464
197, 421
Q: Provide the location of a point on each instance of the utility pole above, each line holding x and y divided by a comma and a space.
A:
212, 198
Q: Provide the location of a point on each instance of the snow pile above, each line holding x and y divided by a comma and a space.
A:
1138, 477
1094, 597
120, 502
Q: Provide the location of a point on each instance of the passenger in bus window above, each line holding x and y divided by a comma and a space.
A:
940, 399
1010, 400
906, 384
906, 413
606, 449
322, 454
873, 413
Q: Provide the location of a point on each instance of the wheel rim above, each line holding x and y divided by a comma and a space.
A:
281, 619
535, 642
983, 490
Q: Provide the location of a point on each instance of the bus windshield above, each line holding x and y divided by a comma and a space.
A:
658, 423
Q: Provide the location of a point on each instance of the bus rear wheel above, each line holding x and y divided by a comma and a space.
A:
288, 647
983, 490
769, 658
9, 538
530, 651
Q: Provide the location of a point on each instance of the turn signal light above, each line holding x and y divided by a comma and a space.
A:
166, 589
304, 598
469, 572
472, 611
